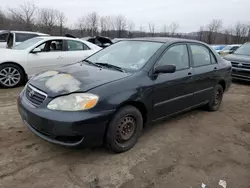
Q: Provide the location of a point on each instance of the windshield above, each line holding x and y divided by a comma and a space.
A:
244, 49
129, 55
26, 44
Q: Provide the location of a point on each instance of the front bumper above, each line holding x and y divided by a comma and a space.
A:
241, 74
64, 128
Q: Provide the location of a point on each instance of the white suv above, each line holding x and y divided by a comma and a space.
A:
8, 39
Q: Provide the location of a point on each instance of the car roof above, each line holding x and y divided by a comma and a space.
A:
27, 32
163, 39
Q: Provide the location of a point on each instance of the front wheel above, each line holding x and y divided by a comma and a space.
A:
124, 129
11, 75
216, 98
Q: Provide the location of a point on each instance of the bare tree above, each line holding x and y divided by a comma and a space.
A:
213, 28
120, 25
131, 26
151, 27
92, 21
228, 35
173, 28
201, 34
81, 25
241, 32
3, 20
25, 14
47, 19
62, 21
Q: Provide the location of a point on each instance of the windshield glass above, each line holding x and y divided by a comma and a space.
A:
26, 44
129, 55
244, 49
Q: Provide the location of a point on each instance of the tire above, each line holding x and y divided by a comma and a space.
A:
216, 98
124, 129
17, 75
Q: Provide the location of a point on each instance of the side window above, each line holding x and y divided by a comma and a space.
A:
3, 37
176, 55
201, 55
20, 37
76, 46
51, 46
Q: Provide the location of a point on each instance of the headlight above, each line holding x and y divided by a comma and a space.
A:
74, 102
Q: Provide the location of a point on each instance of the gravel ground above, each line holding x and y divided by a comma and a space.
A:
182, 152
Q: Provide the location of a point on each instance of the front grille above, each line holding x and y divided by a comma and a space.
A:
241, 65
35, 96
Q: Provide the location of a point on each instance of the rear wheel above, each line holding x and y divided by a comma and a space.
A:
124, 129
11, 75
216, 98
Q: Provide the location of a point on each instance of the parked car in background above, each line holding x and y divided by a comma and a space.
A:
101, 41
110, 96
240, 60
229, 49
8, 39
39, 54
217, 48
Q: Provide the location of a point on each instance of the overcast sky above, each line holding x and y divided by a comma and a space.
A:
189, 14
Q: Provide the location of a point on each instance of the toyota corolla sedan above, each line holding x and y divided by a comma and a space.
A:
112, 95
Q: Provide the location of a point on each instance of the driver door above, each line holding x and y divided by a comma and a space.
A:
51, 56
173, 92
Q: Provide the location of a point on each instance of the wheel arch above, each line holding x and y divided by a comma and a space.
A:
223, 84
137, 104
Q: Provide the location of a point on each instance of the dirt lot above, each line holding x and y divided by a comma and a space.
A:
182, 152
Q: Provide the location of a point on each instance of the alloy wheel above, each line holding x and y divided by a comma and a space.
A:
9, 76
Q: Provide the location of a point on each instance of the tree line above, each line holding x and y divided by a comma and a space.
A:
29, 17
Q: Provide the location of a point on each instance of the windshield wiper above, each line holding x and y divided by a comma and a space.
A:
91, 63
111, 66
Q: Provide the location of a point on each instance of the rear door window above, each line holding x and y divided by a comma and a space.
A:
201, 55
20, 37
76, 46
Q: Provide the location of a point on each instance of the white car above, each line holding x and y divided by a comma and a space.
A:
8, 39
39, 54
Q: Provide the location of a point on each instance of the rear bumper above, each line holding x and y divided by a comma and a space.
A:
241, 74
64, 128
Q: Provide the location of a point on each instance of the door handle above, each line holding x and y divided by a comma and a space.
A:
60, 57
189, 74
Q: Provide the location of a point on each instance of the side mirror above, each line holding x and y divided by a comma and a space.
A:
231, 52
36, 50
165, 69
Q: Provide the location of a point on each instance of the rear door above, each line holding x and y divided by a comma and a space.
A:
206, 73
52, 55
173, 92
77, 51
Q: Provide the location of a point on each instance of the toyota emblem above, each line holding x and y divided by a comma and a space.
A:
31, 93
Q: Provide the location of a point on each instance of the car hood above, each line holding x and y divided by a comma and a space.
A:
74, 78
238, 58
